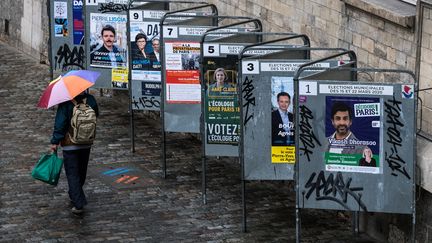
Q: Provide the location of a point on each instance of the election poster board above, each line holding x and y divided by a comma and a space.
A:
220, 71
268, 115
146, 58
180, 72
356, 146
66, 36
106, 42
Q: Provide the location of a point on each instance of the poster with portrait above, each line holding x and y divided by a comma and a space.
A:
222, 111
282, 120
145, 51
108, 40
352, 130
182, 72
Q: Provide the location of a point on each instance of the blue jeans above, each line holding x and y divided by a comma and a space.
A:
75, 163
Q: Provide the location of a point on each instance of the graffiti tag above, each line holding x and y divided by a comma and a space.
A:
145, 102
248, 97
394, 125
307, 135
65, 57
334, 189
112, 7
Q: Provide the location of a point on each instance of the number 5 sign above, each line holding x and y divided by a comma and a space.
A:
211, 50
250, 67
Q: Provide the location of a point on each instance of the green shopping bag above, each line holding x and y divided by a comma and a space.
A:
48, 168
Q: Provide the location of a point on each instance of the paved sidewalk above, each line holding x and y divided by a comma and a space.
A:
128, 199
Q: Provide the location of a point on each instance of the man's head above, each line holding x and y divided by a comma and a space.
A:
284, 100
141, 40
156, 45
108, 36
341, 117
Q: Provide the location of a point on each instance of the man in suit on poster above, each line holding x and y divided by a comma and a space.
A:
282, 122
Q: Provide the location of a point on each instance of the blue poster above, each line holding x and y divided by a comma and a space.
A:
78, 22
352, 128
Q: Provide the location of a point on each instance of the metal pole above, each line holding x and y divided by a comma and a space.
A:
244, 214
50, 40
162, 94
131, 112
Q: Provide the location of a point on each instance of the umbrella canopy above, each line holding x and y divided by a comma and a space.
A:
66, 87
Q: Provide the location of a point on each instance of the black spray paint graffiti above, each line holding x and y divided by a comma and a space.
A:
394, 125
334, 189
145, 102
69, 59
307, 135
248, 97
112, 7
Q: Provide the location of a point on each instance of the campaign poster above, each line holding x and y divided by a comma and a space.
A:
182, 72
282, 120
119, 78
352, 129
108, 41
221, 101
60, 19
78, 22
145, 49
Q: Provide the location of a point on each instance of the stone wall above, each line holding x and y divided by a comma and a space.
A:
24, 25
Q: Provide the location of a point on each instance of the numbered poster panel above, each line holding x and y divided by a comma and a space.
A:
269, 117
221, 105
146, 59
356, 146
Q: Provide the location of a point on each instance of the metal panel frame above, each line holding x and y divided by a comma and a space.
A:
412, 167
266, 60
175, 14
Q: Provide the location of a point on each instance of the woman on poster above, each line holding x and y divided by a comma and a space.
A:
220, 86
140, 58
367, 159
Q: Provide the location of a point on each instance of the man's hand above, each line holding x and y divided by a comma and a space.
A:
54, 147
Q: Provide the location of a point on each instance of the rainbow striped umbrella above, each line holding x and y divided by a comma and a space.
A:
66, 87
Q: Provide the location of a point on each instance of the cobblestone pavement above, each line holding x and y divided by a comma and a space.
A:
147, 208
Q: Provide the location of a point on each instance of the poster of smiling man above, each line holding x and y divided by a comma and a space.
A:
108, 41
352, 128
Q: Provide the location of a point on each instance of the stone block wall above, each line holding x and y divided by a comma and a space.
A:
24, 25
426, 70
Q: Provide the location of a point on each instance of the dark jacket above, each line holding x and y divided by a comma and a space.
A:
277, 130
95, 56
64, 116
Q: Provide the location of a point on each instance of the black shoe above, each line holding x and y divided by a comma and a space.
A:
77, 211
